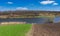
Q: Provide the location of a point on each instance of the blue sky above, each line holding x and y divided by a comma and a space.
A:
51, 5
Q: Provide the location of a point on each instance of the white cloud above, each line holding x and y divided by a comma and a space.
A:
46, 2
10, 2
55, 3
21, 8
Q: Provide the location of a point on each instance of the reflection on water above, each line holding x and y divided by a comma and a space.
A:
57, 19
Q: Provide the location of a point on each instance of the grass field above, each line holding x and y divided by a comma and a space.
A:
14, 30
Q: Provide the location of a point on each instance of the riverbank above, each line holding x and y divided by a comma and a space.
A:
12, 23
40, 16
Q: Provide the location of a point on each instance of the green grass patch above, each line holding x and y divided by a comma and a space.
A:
14, 30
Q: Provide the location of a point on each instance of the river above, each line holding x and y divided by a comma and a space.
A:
30, 20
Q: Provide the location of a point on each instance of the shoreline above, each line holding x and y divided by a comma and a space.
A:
12, 22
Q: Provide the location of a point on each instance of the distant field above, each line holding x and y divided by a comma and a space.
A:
45, 16
29, 16
14, 30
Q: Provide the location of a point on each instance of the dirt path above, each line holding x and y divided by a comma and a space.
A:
29, 33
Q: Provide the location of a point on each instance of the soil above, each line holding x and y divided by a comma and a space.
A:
46, 29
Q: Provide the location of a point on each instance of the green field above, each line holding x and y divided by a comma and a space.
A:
14, 30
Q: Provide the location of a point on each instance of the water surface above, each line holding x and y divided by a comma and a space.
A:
56, 19
28, 20
31, 20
